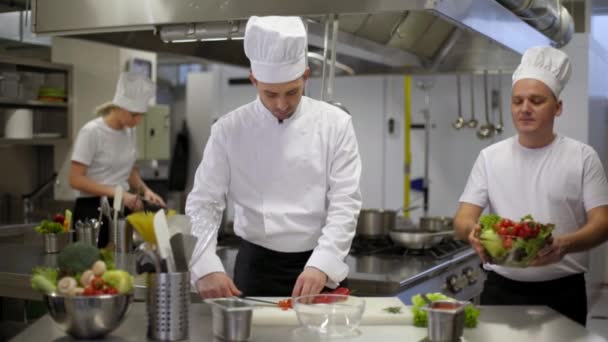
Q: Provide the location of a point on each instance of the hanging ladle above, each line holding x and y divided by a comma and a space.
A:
472, 123
497, 100
459, 123
486, 130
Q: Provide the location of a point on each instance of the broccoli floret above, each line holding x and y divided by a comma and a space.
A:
77, 258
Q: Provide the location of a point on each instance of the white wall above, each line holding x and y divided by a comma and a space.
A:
96, 69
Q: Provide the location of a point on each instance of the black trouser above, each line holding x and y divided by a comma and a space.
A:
262, 272
87, 208
566, 295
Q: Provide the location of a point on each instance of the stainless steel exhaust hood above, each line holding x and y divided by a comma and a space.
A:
376, 36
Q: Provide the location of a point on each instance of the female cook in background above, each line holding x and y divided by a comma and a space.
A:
105, 152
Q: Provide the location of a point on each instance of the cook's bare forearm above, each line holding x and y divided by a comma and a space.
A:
592, 234
465, 220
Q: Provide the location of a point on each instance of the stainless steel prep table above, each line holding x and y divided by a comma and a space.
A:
496, 324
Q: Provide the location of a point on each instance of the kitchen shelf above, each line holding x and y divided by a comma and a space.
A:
33, 141
5, 102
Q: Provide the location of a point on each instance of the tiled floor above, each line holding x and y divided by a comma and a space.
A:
597, 321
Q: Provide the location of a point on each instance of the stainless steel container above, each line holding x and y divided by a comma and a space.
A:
122, 236
168, 305
445, 320
87, 234
435, 223
53, 243
231, 318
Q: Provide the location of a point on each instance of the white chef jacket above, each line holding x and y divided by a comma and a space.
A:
558, 183
295, 184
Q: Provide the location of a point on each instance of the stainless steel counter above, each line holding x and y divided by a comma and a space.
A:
373, 275
496, 324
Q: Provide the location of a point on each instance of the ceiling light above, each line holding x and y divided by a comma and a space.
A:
207, 31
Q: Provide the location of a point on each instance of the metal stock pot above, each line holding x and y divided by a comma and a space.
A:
375, 223
435, 223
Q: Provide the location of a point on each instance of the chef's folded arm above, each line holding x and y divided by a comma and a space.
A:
210, 185
344, 204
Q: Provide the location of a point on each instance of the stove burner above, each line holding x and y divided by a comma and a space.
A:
446, 248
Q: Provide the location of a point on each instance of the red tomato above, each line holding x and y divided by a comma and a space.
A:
285, 304
503, 231
89, 291
97, 283
507, 243
341, 291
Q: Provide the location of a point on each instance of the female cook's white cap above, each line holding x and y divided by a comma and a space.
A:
133, 92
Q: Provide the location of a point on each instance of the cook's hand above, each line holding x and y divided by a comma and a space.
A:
476, 244
132, 201
553, 251
310, 282
216, 285
152, 197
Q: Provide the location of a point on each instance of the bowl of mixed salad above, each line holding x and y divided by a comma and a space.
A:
513, 243
85, 295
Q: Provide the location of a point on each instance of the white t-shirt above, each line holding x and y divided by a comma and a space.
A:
295, 184
108, 153
556, 184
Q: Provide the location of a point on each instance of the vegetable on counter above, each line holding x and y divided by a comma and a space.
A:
421, 317
393, 309
83, 272
49, 227
286, 304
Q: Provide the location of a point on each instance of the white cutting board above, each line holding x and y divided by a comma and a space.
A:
374, 313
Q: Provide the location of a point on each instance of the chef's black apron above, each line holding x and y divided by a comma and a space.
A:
566, 295
261, 272
87, 208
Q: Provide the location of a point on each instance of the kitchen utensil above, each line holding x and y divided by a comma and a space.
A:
472, 123
168, 306
459, 123
418, 239
274, 304
143, 223
370, 224
149, 251
189, 245
231, 318
88, 317
486, 130
330, 315
179, 224
376, 313
435, 223
445, 320
179, 253
426, 299
162, 239
497, 103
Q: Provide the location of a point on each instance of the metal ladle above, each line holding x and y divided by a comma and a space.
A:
486, 130
459, 123
472, 123
497, 101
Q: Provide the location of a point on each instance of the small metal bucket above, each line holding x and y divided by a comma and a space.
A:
445, 320
231, 318
53, 243
168, 306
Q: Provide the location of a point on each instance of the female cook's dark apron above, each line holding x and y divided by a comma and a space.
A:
88, 208
262, 272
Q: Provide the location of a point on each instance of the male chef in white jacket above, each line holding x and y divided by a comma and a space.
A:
291, 166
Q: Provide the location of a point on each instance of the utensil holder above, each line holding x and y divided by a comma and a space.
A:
53, 243
168, 306
122, 236
87, 234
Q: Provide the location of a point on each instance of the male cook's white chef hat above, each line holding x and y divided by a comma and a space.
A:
133, 92
546, 64
276, 48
